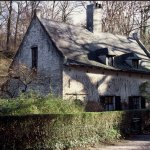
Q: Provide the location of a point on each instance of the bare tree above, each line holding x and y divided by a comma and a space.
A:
20, 77
67, 7
50, 9
9, 6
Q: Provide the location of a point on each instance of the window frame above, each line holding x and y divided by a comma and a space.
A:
115, 101
110, 60
135, 63
134, 102
107, 102
34, 55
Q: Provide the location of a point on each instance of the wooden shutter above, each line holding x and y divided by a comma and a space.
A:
130, 102
117, 103
102, 101
143, 102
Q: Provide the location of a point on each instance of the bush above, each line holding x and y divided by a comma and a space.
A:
93, 106
56, 131
32, 103
9, 54
64, 131
56, 124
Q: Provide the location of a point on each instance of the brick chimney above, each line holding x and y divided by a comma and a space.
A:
93, 17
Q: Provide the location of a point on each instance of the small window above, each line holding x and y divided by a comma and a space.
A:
135, 63
107, 102
34, 57
110, 103
110, 61
134, 102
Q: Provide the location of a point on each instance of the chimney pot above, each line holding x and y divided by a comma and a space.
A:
94, 18
96, 5
100, 5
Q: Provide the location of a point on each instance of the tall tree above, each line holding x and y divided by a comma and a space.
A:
9, 6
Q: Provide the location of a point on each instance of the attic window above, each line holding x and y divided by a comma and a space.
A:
135, 63
34, 57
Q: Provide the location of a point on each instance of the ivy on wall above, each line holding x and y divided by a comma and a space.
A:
144, 89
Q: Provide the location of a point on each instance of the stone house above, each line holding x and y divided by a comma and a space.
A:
85, 64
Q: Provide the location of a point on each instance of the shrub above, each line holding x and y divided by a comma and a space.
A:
56, 131
32, 103
9, 54
93, 106
56, 124
64, 131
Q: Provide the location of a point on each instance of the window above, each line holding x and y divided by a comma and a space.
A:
135, 63
107, 102
34, 57
136, 102
110, 102
110, 61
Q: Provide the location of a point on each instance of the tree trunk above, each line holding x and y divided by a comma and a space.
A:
16, 31
8, 27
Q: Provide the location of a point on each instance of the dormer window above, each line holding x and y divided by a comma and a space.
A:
132, 60
110, 60
135, 63
102, 55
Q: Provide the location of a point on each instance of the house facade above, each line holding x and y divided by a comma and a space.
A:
85, 64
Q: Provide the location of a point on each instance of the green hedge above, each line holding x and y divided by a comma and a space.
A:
32, 103
63, 131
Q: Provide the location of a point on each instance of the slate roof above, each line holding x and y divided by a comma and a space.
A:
77, 43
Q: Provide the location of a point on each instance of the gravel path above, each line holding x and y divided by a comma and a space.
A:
137, 142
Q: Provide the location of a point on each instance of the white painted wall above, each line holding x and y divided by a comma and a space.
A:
100, 82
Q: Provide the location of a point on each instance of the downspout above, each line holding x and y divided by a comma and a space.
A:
135, 37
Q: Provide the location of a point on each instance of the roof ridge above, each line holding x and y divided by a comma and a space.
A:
78, 26
60, 22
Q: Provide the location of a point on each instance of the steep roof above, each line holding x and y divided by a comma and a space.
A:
76, 43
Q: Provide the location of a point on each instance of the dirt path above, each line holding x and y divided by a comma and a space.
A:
138, 142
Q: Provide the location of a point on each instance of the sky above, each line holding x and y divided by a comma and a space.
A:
79, 18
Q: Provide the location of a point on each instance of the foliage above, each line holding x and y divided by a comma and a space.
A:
32, 103
65, 131
58, 131
144, 91
4, 64
93, 106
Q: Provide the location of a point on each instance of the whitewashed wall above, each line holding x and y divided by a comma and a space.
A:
95, 82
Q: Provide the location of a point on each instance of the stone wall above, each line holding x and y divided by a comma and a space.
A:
78, 82
88, 84
49, 60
